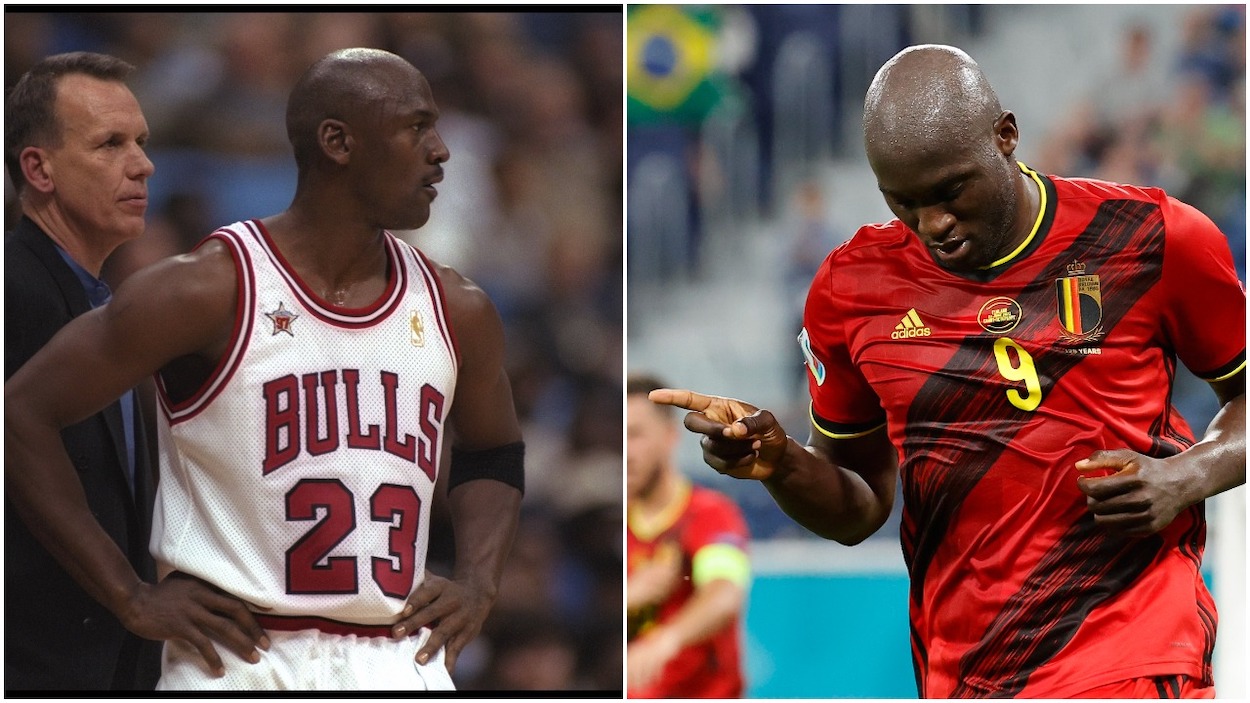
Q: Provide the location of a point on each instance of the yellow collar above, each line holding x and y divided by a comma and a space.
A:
647, 529
1037, 224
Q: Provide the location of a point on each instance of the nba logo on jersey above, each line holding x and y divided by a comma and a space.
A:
418, 330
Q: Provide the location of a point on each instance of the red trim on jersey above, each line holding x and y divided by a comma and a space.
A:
291, 623
352, 318
435, 285
239, 336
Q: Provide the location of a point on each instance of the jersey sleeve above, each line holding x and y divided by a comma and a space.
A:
716, 537
843, 404
1204, 314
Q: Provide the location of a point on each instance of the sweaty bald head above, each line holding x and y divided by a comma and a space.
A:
928, 98
351, 85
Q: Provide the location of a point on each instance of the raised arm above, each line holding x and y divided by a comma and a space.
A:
840, 489
180, 307
485, 483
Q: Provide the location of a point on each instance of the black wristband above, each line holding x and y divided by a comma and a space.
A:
505, 463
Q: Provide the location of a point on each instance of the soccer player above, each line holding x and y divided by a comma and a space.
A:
687, 567
311, 368
1008, 345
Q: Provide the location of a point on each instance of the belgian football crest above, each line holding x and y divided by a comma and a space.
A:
282, 319
1079, 298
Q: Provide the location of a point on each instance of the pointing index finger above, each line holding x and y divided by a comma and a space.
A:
681, 398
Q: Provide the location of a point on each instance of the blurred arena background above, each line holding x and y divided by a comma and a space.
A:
532, 114
745, 166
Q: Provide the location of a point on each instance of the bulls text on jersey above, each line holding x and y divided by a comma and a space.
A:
295, 413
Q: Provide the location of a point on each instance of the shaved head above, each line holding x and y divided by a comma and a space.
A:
347, 85
928, 97
362, 124
943, 151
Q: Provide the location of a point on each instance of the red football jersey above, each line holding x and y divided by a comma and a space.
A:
711, 669
992, 386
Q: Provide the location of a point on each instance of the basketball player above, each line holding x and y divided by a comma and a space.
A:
311, 367
1008, 344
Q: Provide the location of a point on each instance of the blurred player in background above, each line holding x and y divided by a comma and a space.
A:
311, 367
74, 148
688, 571
1008, 345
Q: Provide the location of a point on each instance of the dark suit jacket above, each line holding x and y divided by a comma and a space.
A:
55, 635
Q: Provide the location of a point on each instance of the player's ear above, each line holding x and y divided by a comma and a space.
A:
335, 140
1006, 133
37, 169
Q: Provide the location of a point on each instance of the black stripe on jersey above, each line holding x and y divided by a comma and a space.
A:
1208, 643
1165, 439
1086, 567
1160, 689
1195, 535
949, 411
1224, 370
1209, 622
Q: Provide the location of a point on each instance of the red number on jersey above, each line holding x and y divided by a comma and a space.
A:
303, 574
398, 505
388, 502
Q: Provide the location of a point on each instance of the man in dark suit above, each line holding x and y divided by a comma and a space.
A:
74, 138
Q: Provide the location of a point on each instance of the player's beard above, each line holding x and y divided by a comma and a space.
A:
654, 476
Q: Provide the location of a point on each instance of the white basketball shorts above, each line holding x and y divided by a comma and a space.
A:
311, 660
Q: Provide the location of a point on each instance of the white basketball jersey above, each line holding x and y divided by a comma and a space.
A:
300, 476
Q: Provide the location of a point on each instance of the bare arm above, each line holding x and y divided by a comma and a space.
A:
86, 366
839, 489
712, 608
484, 512
1146, 494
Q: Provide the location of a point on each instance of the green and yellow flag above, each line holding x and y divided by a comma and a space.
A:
671, 63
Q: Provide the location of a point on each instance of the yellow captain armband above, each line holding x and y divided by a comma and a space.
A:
720, 561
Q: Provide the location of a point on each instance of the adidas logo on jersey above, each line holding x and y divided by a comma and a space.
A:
910, 327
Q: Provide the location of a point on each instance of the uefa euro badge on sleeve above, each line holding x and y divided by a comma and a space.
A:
813, 364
